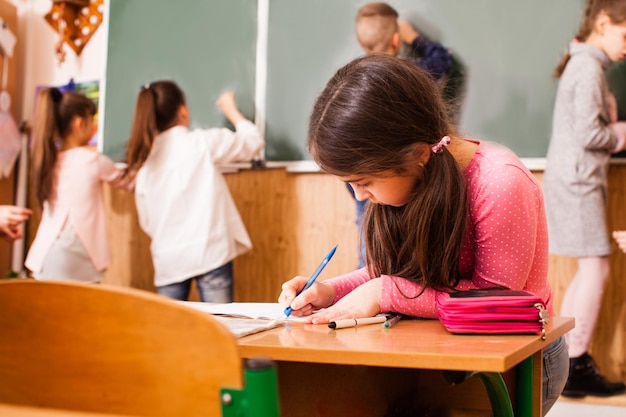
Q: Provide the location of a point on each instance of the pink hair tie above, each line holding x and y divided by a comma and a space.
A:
438, 147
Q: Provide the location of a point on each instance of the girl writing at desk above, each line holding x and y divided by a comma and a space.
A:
447, 213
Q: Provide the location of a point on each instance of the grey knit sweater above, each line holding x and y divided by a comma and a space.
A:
578, 156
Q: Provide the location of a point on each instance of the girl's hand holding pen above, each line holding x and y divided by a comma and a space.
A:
319, 295
363, 301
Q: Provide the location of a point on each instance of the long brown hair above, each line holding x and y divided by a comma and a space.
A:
370, 115
156, 110
53, 123
614, 9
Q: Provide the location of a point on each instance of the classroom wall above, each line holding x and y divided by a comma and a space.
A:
39, 63
293, 219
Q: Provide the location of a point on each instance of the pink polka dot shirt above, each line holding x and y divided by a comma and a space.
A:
506, 243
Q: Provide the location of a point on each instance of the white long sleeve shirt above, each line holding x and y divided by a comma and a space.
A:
184, 204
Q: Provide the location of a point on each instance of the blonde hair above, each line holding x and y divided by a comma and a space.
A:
376, 23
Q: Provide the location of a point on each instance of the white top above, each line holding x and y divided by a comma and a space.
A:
184, 204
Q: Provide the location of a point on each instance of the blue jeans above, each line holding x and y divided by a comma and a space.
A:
555, 372
215, 286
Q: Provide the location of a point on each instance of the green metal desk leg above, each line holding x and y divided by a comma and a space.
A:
498, 394
525, 388
259, 397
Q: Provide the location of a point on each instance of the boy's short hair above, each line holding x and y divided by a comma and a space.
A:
376, 23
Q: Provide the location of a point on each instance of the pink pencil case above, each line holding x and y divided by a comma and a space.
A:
492, 311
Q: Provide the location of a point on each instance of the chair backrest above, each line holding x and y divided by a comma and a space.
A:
109, 349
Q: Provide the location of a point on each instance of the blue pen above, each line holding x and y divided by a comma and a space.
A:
311, 280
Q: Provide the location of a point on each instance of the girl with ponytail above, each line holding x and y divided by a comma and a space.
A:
183, 202
71, 241
445, 212
585, 132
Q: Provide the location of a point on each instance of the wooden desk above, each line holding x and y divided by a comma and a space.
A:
371, 371
12, 410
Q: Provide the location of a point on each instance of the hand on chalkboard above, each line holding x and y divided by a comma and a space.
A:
407, 32
226, 103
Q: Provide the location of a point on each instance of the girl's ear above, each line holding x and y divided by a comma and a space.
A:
77, 124
183, 115
395, 43
601, 23
418, 155
420, 152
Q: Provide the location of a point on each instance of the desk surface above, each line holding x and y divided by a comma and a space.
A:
419, 344
14, 410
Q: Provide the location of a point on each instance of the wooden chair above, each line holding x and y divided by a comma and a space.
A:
117, 350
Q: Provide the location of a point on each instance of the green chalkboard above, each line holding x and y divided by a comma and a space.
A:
206, 46
616, 76
508, 48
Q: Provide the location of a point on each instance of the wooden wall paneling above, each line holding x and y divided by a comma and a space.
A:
131, 262
294, 219
265, 200
608, 346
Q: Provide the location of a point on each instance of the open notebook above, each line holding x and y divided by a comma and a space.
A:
243, 319
268, 311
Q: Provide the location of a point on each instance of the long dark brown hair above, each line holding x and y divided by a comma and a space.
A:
614, 9
156, 110
53, 123
371, 114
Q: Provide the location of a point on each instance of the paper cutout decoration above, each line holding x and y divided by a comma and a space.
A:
75, 21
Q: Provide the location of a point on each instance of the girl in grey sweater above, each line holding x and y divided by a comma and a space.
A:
584, 134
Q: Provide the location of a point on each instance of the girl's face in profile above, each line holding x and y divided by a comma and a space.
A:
613, 41
87, 129
387, 187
